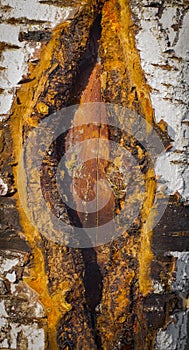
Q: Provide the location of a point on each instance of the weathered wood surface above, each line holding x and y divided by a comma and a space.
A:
121, 295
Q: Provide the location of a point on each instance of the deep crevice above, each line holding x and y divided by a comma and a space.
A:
87, 63
92, 278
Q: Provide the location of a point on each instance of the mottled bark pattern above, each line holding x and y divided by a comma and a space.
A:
115, 296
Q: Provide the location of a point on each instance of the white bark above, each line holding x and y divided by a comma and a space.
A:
33, 16
24, 321
28, 15
162, 40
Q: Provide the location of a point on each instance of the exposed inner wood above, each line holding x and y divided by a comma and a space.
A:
99, 297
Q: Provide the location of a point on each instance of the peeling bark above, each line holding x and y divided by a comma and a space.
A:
132, 292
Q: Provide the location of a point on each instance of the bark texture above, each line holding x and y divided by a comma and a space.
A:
132, 292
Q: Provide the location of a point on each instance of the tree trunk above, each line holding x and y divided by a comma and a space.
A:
94, 175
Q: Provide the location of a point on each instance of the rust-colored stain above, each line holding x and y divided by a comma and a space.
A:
122, 69
89, 180
57, 272
26, 113
38, 279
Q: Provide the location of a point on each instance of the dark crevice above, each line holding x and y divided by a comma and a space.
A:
93, 280
92, 277
87, 63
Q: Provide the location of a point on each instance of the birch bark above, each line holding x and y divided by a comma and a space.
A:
161, 32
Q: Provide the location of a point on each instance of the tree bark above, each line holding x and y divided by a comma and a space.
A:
124, 65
